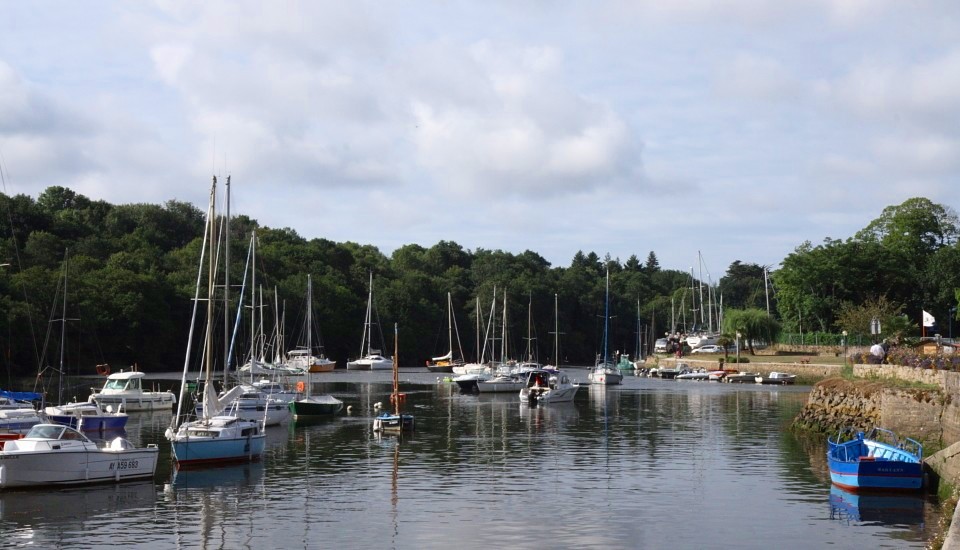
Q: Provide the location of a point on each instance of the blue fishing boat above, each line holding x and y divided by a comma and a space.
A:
875, 460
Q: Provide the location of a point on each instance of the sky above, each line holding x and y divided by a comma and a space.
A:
717, 129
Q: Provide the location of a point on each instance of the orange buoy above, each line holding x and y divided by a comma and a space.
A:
103, 369
401, 397
301, 386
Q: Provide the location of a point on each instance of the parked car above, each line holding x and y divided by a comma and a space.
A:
660, 346
710, 348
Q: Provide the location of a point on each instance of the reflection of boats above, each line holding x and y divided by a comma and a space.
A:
236, 475
76, 504
371, 360
396, 422
604, 371
548, 386
124, 391
54, 454
876, 460
776, 378
886, 508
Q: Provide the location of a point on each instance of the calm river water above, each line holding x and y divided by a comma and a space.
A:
650, 464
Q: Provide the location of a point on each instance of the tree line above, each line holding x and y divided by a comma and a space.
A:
130, 273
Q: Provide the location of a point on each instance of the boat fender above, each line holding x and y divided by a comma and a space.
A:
349, 409
301, 386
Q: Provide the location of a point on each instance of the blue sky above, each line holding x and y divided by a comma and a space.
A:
738, 129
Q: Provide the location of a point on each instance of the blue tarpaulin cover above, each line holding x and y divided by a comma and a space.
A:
21, 395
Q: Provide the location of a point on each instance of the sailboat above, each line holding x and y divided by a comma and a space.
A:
310, 405
214, 437
395, 422
446, 363
302, 358
605, 372
371, 360
84, 415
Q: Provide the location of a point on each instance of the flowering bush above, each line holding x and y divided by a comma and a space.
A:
908, 357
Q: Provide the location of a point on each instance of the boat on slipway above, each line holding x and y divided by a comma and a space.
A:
124, 392
54, 454
878, 459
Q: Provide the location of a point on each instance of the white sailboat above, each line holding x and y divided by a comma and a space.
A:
605, 371
310, 405
302, 358
448, 362
214, 437
371, 358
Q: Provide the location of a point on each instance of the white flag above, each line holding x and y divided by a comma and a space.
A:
928, 319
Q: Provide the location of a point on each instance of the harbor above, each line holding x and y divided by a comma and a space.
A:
659, 462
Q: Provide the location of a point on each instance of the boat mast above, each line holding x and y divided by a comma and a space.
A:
503, 331
396, 375
63, 325
479, 353
208, 348
309, 330
529, 325
450, 324
253, 305
606, 318
556, 331
367, 329
700, 286
226, 289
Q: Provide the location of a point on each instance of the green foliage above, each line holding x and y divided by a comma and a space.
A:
754, 326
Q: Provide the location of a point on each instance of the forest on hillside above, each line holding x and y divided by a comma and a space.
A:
115, 284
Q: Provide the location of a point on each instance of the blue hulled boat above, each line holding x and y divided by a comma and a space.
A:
876, 460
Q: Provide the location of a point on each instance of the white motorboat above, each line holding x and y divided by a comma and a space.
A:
545, 386
502, 383
694, 375
53, 454
124, 391
276, 390
776, 378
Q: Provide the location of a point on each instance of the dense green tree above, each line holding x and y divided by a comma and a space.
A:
754, 325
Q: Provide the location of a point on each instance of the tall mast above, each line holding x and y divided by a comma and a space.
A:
367, 329
253, 304
700, 286
226, 287
208, 347
766, 289
63, 325
396, 375
309, 330
556, 331
606, 318
503, 332
479, 353
450, 324
529, 325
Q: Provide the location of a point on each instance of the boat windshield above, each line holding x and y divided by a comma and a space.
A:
45, 431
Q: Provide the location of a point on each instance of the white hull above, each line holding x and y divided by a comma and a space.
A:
609, 376
124, 392
499, 385
371, 363
470, 368
34, 462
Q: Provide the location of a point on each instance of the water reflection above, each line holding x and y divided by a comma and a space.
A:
894, 509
